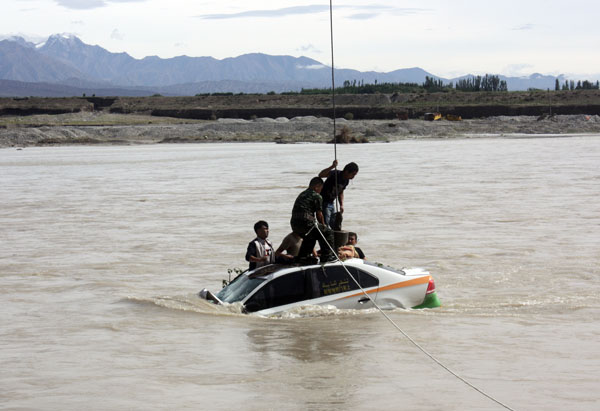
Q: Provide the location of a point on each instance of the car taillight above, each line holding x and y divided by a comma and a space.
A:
430, 286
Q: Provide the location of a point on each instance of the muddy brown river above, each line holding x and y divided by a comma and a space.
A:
103, 250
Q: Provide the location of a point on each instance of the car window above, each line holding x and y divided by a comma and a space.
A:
287, 289
334, 280
365, 279
239, 288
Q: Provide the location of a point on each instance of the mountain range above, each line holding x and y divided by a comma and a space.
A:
63, 65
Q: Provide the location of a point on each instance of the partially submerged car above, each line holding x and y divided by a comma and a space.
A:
274, 288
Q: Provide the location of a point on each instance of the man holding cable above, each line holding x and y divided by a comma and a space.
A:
307, 221
342, 179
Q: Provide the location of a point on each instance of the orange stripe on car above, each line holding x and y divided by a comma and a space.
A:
416, 281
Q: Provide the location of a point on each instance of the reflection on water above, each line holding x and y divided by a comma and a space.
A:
295, 340
103, 250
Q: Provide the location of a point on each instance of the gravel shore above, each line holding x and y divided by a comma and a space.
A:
98, 128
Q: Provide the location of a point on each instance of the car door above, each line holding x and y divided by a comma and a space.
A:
333, 285
284, 290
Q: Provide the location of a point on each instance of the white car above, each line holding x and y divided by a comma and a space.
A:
274, 288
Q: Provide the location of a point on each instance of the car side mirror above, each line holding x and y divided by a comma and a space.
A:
251, 307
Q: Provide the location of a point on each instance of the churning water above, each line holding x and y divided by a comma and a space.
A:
103, 249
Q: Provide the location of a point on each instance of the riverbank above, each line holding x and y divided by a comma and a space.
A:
468, 105
88, 128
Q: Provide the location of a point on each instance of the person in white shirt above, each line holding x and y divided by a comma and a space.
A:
260, 250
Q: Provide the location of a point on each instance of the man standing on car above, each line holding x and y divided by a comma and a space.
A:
307, 221
260, 250
341, 178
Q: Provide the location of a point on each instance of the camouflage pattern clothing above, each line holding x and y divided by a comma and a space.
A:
306, 205
303, 219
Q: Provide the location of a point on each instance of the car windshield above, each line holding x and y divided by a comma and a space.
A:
239, 288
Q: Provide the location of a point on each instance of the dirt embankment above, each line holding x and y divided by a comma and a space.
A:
364, 107
101, 128
292, 118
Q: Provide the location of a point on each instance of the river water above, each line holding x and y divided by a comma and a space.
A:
103, 249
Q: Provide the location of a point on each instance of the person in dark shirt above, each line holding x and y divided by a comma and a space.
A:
342, 178
307, 216
260, 250
352, 240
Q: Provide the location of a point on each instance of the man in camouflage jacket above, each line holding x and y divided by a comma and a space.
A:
308, 213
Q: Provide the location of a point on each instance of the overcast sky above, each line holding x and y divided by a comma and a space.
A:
446, 38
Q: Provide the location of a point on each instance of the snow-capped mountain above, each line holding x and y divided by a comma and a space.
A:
65, 59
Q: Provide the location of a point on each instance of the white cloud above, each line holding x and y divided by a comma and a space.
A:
90, 4
365, 12
518, 70
309, 48
363, 16
116, 35
286, 11
28, 37
527, 26
81, 4
313, 67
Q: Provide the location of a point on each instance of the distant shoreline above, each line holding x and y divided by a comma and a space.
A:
100, 128
467, 105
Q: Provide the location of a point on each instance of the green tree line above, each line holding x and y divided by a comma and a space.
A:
580, 85
488, 82
359, 87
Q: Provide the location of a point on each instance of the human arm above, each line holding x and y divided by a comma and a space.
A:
341, 201
325, 172
251, 254
279, 253
360, 253
254, 259
320, 217
280, 250
251, 251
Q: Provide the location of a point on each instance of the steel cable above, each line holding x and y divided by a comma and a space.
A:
408, 337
